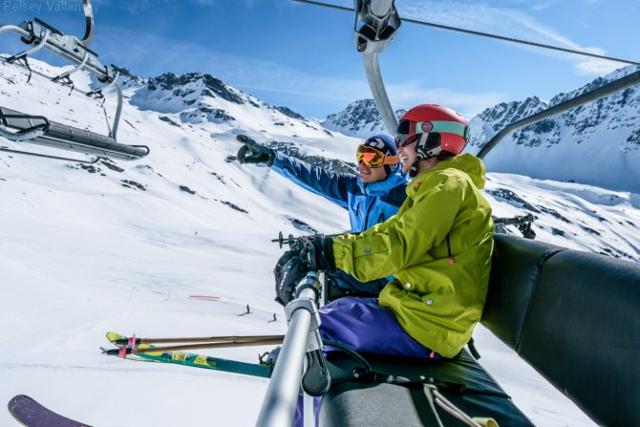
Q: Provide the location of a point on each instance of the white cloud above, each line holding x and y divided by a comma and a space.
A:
508, 22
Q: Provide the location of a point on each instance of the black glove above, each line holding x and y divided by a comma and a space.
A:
289, 271
318, 250
252, 152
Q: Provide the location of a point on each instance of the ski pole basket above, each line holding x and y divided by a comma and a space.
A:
19, 127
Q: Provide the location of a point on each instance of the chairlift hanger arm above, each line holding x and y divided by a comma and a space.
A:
67, 46
89, 30
485, 34
376, 23
40, 34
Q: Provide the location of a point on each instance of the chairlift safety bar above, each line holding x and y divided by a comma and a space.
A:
279, 405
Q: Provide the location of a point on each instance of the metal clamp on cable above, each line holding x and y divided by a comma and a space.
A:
376, 23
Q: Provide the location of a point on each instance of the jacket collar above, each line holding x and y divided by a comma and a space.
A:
380, 188
467, 163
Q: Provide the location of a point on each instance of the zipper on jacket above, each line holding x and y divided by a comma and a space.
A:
366, 216
452, 260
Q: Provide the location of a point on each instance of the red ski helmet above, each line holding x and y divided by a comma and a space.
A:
435, 128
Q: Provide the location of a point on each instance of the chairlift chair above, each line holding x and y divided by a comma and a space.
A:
567, 341
20, 127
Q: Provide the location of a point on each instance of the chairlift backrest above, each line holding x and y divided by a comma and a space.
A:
573, 316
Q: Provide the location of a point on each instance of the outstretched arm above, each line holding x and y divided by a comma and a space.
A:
333, 186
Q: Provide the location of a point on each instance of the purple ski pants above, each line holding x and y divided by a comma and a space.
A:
363, 325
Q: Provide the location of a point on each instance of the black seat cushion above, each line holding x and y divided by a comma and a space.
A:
361, 404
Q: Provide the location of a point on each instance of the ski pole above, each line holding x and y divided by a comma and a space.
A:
222, 339
135, 350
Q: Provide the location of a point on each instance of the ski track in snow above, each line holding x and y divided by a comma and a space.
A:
82, 254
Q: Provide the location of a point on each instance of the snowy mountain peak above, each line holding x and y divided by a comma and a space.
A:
289, 112
595, 84
505, 113
360, 119
200, 98
198, 84
597, 143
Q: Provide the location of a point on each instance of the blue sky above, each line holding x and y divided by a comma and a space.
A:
304, 57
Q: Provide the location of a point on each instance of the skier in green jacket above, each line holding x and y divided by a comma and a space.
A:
437, 248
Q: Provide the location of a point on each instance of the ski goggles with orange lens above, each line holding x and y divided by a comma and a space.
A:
374, 158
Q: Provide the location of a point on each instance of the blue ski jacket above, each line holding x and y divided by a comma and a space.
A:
368, 204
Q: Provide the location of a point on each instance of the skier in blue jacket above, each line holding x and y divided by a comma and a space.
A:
371, 197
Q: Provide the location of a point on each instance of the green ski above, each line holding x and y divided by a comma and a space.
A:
194, 360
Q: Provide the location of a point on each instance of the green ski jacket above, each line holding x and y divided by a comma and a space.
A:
438, 248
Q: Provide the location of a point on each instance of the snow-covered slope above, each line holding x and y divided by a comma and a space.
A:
122, 246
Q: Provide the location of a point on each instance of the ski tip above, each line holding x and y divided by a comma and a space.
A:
15, 400
113, 336
29, 412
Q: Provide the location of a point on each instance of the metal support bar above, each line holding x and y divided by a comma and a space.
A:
44, 37
376, 84
116, 119
279, 405
15, 29
89, 30
113, 129
47, 156
614, 86
77, 68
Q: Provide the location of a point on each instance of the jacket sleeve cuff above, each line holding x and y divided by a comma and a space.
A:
342, 255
